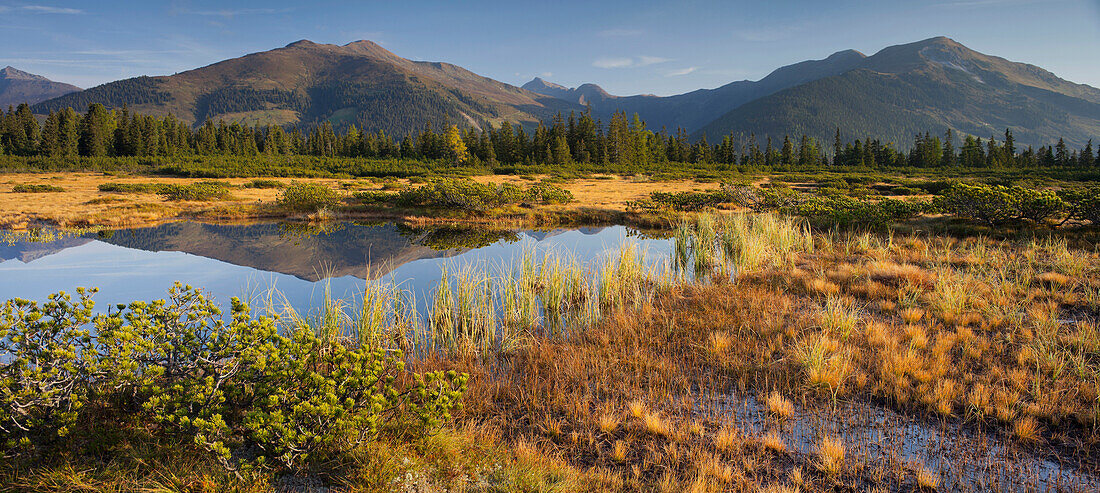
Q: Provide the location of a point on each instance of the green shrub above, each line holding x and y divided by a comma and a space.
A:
264, 183
37, 189
133, 187
689, 201
44, 371
996, 204
307, 197
374, 197
843, 211
239, 388
545, 193
469, 195
1083, 204
202, 191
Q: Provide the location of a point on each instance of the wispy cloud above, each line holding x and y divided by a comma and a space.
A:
234, 12
613, 62
546, 74
40, 9
620, 33
683, 71
629, 62
651, 60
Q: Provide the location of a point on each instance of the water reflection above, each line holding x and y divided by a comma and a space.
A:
295, 259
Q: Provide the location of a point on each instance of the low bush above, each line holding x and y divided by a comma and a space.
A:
1083, 204
239, 388
307, 197
114, 187
843, 211
264, 183
37, 189
202, 191
470, 195
996, 205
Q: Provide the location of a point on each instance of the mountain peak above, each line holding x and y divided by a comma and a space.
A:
846, 55
540, 83
12, 73
301, 43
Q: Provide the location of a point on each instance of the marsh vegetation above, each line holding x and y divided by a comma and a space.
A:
761, 354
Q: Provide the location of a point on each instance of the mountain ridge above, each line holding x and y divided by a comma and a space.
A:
310, 83
17, 86
926, 86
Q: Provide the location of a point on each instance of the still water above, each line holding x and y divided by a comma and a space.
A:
297, 261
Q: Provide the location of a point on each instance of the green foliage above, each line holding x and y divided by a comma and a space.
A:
37, 189
45, 368
307, 197
264, 184
374, 197
1083, 203
133, 187
843, 211
239, 387
197, 192
470, 195
545, 193
996, 205
689, 201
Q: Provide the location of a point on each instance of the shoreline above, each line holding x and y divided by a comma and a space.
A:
81, 204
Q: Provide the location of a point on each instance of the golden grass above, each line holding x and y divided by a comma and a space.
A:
830, 455
779, 406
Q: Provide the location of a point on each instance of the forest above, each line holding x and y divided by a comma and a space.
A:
623, 142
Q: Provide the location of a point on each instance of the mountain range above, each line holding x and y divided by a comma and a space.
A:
17, 86
931, 85
309, 83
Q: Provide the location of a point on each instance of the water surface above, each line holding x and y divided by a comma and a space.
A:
297, 260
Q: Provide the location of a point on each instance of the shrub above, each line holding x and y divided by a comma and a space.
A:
202, 191
1082, 203
132, 187
264, 183
307, 197
996, 204
689, 201
374, 197
470, 195
844, 211
238, 387
37, 189
991, 205
545, 193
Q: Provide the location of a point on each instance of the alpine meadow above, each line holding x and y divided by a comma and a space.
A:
325, 265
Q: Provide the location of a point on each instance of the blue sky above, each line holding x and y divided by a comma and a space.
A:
626, 47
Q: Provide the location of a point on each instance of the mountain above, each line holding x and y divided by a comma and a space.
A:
695, 109
931, 85
309, 83
17, 86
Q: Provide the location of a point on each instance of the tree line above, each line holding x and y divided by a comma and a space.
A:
579, 139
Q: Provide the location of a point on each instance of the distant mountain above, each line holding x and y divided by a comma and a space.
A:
308, 83
695, 109
931, 85
17, 86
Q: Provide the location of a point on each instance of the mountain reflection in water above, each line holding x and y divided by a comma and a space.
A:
295, 259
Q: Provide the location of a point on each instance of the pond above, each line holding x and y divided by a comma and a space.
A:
298, 261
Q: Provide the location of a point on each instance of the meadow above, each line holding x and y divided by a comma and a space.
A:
764, 355
843, 330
